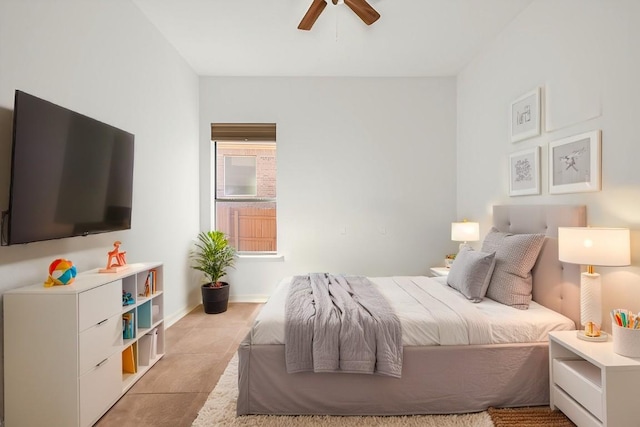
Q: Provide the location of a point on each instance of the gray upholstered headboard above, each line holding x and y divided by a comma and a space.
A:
556, 285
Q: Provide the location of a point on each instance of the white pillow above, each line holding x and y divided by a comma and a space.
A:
516, 254
471, 272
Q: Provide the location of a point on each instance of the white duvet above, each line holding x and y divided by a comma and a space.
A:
432, 313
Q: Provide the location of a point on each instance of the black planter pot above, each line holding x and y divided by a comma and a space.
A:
215, 300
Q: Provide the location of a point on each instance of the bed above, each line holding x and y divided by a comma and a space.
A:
436, 378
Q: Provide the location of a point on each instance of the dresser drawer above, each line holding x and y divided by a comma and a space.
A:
99, 342
573, 410
98, 304
581, 380
99, 389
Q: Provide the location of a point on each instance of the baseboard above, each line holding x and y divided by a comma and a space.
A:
249, 298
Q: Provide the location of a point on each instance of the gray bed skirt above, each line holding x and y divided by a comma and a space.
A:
435, 380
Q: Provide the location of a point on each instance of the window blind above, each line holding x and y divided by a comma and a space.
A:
243, 131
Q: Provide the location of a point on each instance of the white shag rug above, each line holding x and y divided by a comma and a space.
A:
220, 410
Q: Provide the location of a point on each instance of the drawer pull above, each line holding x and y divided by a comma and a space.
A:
102, 363
102, 322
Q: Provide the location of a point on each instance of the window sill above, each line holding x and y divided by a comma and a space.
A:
261, 257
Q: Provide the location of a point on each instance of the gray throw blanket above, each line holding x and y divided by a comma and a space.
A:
340, 324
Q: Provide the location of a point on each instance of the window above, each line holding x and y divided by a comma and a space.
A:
240, 178
244, 159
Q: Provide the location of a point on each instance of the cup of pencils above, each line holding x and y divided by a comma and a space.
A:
625, 326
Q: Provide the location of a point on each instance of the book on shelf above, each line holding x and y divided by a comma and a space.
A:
147, 290
150, 283
129, 360
153, 274
128, 325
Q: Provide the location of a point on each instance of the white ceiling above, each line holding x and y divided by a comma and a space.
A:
260, 37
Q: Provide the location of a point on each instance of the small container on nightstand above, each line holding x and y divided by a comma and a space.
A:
626, 341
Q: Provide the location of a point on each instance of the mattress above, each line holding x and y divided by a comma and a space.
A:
432, 313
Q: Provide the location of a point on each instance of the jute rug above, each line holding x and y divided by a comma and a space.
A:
529, 417
220, 410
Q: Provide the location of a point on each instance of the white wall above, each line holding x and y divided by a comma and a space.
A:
102, 58
372, 156
585, 55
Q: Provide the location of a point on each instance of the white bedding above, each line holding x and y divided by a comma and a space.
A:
418, 301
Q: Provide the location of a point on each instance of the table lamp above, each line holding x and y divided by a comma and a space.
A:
465, 231
593, 246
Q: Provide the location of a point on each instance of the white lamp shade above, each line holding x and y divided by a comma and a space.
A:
594, 246
465, 231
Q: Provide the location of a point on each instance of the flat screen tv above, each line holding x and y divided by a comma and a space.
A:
71, 175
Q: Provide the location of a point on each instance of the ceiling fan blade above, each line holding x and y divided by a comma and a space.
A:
312, 14
363, 10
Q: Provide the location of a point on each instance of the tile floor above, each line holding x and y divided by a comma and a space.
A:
198, 348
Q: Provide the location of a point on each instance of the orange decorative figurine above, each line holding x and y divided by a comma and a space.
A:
115, 259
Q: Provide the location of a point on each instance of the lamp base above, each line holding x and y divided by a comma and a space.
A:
602, 338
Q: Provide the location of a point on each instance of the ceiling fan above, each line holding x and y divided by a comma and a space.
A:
360, 7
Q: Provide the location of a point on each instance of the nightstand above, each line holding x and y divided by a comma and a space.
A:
590, 383
439, 271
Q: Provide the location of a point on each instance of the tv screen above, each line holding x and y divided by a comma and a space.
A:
71, 175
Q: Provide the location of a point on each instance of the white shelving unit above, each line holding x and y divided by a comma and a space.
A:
592, 384
66, 361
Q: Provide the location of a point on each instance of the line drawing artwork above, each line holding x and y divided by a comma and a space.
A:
525, 116
570, 160
574, 161
524, 173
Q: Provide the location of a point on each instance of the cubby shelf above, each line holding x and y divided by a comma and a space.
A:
68, 341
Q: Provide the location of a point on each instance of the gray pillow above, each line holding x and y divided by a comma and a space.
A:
471, 272
516, 254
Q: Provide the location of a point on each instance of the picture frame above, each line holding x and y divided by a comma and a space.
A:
575, 163
525, 120
524, 172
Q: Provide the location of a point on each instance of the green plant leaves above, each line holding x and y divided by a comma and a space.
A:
213, 255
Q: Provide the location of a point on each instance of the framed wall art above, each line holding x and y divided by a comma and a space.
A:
524, 172
574, 163
525, 116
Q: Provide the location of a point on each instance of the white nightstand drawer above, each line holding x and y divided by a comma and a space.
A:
582, 381
99, 342
98, 304
571, 409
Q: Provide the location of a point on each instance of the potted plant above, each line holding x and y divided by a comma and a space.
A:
213, 255
448, 260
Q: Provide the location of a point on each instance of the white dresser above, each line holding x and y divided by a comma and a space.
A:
66, 361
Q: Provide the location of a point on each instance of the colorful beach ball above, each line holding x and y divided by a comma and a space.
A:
61, 272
